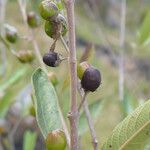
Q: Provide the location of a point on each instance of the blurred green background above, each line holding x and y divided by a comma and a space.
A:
97, 22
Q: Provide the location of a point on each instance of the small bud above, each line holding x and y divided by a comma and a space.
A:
52, 77
51, 59
91, 79
56, 140
81, 68
25, 56
48, 10
33, 19
11, 33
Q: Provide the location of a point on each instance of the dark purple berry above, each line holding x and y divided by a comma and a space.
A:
91, 79
51, 59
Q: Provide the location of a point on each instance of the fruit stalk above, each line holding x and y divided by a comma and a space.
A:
88, 117
73, 114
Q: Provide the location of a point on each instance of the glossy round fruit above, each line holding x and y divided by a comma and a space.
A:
11, 33
56, 140
25, 56
33, 19
91, 79
48, 10
51, 59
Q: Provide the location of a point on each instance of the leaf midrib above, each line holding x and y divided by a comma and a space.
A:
134, 135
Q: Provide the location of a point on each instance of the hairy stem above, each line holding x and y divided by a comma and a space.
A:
73, 115
121, 57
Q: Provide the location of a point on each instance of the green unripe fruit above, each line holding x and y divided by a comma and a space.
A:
53, 28
52, 77
56, 140
11, 33
25, 56
81, 68
33, 19
48, 10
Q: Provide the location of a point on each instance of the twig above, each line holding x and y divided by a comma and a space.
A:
121, 57
38, 54
37, 51
73, 115
64, 44
82, 101
2, 20
88, 117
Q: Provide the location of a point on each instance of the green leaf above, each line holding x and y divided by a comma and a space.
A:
13, 79
133, 132
144, 35
95, 109
29, 140
5, 103
9, 93
46, 103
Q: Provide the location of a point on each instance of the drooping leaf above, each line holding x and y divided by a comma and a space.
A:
95, 109
144, 34
29, 140
46, 103
133, 132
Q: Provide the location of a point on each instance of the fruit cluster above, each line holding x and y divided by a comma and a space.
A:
55, 26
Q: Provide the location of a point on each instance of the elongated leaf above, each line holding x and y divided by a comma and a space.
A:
13, 79
47, 112
95, 109
133, 132
144, 36
10, 93
29, 140
5, 103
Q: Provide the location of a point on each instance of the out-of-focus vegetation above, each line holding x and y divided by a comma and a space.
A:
97, 22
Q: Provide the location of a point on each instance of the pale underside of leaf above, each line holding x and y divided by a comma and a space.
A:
46, 103
133, 132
